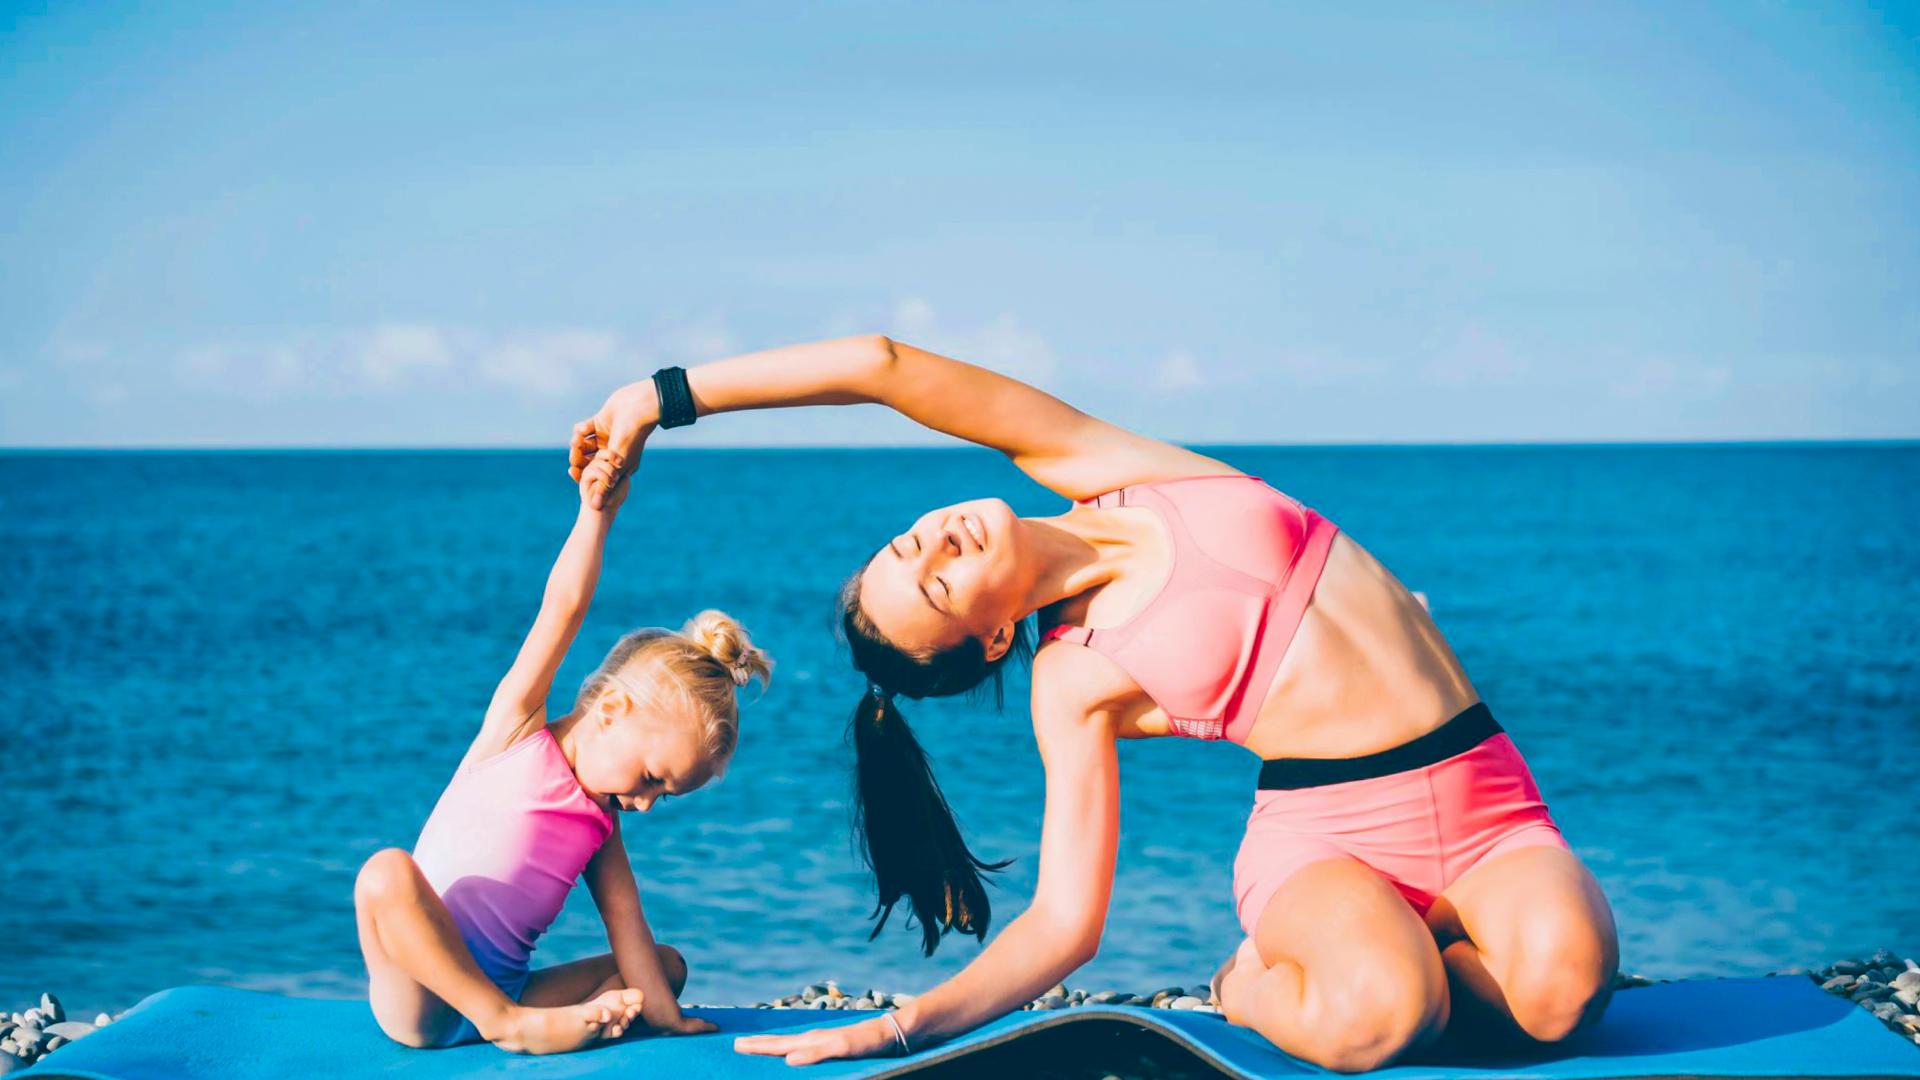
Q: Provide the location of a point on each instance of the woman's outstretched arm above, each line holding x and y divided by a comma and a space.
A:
1076, 455
1059, 932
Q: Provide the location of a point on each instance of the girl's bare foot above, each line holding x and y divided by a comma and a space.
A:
570, 1027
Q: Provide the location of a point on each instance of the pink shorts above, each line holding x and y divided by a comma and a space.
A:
1420, 829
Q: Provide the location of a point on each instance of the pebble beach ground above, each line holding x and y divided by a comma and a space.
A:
1883, 984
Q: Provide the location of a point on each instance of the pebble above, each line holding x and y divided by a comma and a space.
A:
1185, 1001
1838, 982
1907, 980
70, 1029
50, 1008
1849, 967
102, 1020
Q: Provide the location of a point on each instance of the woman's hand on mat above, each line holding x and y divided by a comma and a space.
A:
616, 432
872, 1038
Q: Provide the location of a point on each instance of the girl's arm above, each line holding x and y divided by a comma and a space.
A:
610, 880
1059, 932
521, 698
1077, 455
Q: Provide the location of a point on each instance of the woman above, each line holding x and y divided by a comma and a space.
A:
1398, 863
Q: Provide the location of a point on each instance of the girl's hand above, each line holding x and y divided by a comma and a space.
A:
871, 1038
601, 479
616, 432
684, 1025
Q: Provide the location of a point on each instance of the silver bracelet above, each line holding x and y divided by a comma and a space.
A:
899, 1033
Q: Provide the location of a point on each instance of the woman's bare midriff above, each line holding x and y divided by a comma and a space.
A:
1367, 669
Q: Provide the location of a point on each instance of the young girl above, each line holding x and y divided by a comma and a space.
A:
448, 930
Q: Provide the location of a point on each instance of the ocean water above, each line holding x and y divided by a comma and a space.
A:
227, 678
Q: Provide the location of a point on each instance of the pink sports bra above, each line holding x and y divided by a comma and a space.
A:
1245, 562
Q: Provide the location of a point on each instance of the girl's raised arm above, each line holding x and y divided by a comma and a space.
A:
1076, 455
521, 697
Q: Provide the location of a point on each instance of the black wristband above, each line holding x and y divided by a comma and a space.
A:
676, 397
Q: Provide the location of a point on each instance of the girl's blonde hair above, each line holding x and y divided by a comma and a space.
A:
701, 665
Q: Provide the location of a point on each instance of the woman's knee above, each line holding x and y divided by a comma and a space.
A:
1365, 1018
1561, 985
1553, 1005
388, 876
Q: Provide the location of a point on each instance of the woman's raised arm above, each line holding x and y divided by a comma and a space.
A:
1076, 455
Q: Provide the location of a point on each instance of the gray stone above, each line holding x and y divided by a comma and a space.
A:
1887, 1011
1849, 967
53, 1044
1909, 998
102, 1020
70, 1029
1907, 980
26, 1037
1215, 1009
1184, 1001
1883, 956
1051, 1001
51, 1009
1838, 982
1104, 997
901, 1001
1059, 990
862, 1003
32, 1018
814, 991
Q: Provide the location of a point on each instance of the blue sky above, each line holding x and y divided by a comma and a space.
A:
373, 224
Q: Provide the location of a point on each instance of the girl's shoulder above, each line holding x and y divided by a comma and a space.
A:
496, 740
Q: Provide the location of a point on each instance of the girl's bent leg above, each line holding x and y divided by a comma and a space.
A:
1339, 972
582, 980
418, 967
1529, 939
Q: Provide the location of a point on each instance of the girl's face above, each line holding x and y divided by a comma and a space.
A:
633, 761
955, 573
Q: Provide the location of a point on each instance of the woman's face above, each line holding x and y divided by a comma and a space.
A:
955, 573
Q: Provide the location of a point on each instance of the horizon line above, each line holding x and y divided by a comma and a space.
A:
351, 448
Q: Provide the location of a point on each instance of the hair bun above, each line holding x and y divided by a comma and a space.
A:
719, 636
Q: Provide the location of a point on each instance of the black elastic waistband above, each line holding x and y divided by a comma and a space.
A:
1472, 727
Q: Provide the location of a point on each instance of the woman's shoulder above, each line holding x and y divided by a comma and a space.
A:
1073, 681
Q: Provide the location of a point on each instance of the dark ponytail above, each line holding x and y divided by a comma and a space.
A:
907, 831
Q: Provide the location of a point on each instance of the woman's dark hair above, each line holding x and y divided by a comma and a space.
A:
907, 832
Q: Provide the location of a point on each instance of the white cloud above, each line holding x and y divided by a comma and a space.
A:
1179, 371
550, 363
394, 350
258, 372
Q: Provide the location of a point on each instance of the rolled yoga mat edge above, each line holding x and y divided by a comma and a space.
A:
1761, 1028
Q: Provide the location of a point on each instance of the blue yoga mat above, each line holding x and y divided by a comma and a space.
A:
1762, 1027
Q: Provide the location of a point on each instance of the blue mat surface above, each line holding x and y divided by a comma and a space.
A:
1762, 1027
